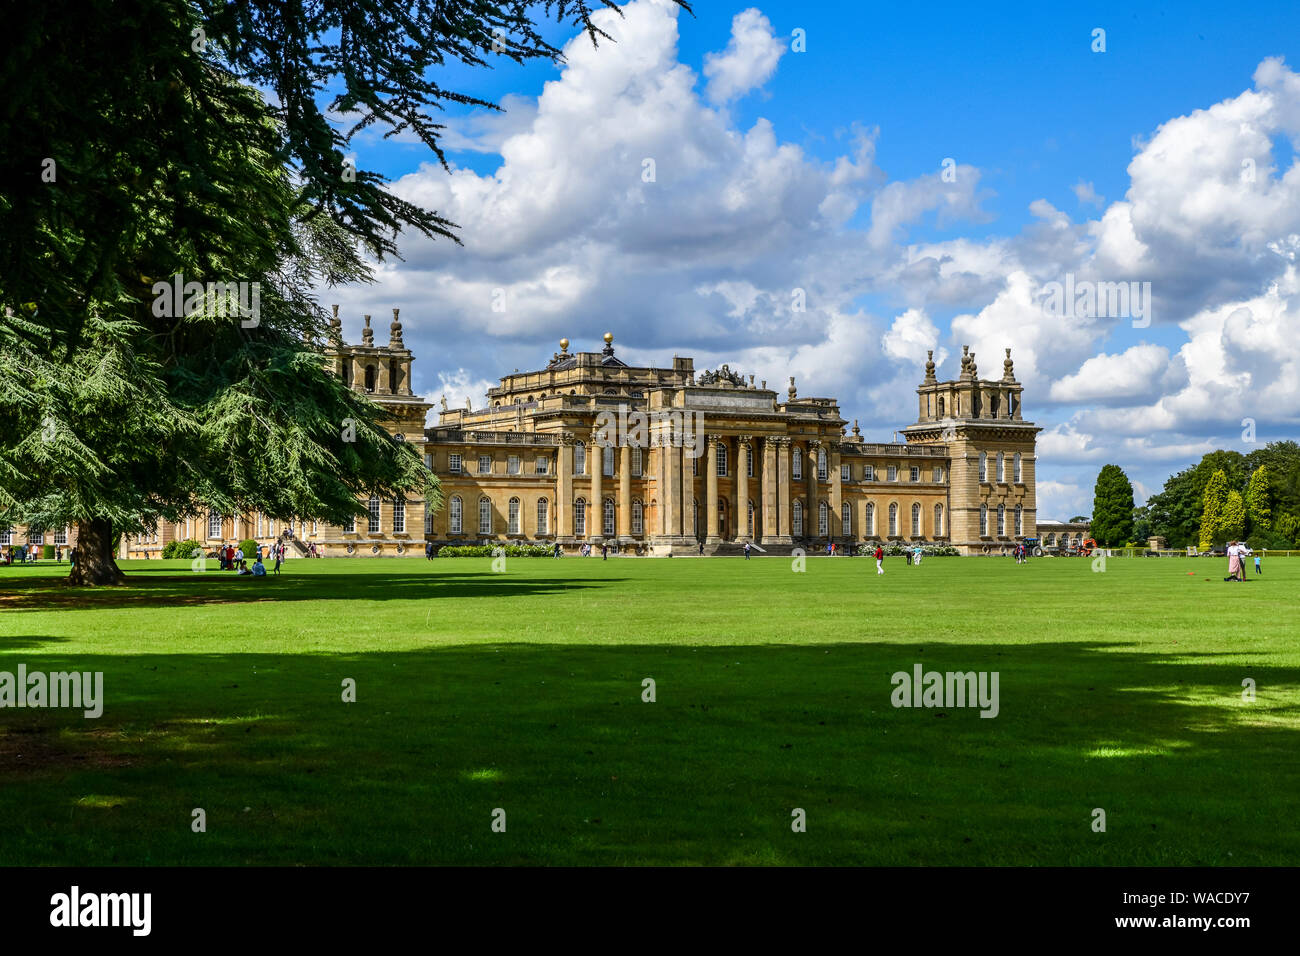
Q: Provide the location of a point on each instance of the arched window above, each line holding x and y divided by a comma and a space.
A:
636, 461
984, 521
543, 516
513, 517
1002, 520
580, 517
821, 464
823, 519
722, 460
608, 458
1015, 468
916, 520
608, 525
638, 518
374, 515
454, 515
1019, 518
1002, 467
399, 515
938, 521
796, 464
579, 459
749, 521
984, 466
893, 520
941, 415
796, 519
846, 518
871, 519
484, 516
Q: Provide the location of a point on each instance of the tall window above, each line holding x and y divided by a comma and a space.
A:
984, 521
580, 517
749, 522
513, 517
823, 519
796, 466
722, 460
608, 459
1002, 467
484, 516
214, 525
453, 464
399, 515
1002, 520
607, 527
1019, 516
893, 521
638, 518
7, 535
543, 516
543, 466
579, 459
916, 520
1015, 468
938, 475
454, 513
428, 460
846, 518
513, 466
350, 525
868, 472
846, 472
749, 461
871, 519
914, 473
893, 472
636, 462
796, 518
984, 466
373, 507
938, 521
428, 517
821, 464
484, 464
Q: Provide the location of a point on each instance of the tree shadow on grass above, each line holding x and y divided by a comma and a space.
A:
590, 773
224, 587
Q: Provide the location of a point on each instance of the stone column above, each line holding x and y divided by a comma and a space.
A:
596, 454
688, 493
711, 490
769, 489
625, 493
672, 489
810, 506
837, 492
564, 488
783, 451
742, 488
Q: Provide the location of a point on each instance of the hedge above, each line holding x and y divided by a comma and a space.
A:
492, 550
182, 549
898, 551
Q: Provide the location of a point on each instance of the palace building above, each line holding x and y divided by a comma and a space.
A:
590, 450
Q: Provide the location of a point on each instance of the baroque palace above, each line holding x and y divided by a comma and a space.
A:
590, 450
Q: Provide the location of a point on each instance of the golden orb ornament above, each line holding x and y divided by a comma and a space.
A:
564, 345
609, 338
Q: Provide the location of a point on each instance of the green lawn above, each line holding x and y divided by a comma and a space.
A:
522, 690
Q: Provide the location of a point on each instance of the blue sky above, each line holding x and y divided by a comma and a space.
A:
819, 170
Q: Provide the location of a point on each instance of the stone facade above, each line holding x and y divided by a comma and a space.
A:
590, 450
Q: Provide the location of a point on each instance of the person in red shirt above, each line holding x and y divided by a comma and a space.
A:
880, 557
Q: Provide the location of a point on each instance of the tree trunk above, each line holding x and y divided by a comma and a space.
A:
95, 564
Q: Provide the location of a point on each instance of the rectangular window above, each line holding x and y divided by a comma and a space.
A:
846, 472
428, 517
938, 475
484, 465
454, 516
914, 473
35, 536
821, 464
543, 516
749, 462
350, 526
61, 537
868, 472
796, 466
543, 466
214, 525
608, 523
399, 516
373, 508
428, 460
636, 463
512, 465
513, 525
6, 535
823, 520
607, 461
893, 472
453, 464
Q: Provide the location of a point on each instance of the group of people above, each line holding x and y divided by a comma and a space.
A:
232, 558
1237, 554
28, 555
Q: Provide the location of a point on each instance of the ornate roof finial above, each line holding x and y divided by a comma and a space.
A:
335, 322
857, 432
367, 333
793, 393
564, 346
609, 344
1008, 368
929, 366
395, 331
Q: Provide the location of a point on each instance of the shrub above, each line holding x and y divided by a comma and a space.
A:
181, 549
490, 550
47, 552
249, 548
